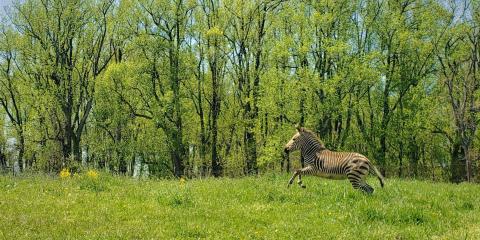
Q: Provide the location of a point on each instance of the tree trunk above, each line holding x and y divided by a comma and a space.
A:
177, 156
250, 145
382, 154
122, 163
457, 166
302, 120
76, 150
285, 163
383, 130
67, 134
21, 149
179, 151
203, 147
414, 156
203, 137
216, 165
400, 159
3, 160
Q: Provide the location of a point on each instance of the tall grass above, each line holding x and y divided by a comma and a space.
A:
262, 207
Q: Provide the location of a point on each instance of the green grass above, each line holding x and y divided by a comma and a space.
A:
42, 207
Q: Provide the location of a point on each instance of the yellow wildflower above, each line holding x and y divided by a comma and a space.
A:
65, 173
92, 174
182, 181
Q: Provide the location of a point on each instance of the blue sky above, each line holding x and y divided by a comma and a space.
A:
3, 4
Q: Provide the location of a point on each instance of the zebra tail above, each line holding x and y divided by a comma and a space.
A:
379, 175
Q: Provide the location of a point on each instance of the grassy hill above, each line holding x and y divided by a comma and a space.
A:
106, 207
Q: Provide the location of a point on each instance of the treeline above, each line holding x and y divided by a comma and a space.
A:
210, 87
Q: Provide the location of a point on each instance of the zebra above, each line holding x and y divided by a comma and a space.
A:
324, 163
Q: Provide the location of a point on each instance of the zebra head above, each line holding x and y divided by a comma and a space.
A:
304, 140
296, 141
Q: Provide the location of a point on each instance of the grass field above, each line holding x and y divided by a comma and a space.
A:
107, 207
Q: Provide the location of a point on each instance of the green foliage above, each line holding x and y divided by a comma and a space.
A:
172, 81
92, 182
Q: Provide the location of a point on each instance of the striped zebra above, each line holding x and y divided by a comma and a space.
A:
322, 162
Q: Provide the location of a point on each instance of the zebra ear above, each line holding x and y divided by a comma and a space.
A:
299, 128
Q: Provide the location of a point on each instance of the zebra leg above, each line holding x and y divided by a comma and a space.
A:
299, 173
358, 183
366, 188
300, 183
295, 174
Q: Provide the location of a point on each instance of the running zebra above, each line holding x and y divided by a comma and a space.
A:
322, 162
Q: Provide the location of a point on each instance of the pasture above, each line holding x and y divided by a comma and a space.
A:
107, 207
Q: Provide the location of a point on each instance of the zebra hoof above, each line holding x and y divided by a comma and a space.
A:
303, 186
369, 191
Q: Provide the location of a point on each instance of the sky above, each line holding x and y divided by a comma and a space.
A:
3, 4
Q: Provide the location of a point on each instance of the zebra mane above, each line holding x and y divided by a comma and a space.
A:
314, 136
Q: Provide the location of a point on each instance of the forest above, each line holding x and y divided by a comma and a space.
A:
197, 88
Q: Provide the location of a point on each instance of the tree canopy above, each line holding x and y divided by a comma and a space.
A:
215, 87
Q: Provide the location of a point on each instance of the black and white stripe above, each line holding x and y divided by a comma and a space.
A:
322, 162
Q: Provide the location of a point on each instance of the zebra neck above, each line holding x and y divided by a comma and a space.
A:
312, 149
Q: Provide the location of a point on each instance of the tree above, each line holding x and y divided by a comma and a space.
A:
67, 43
11, 98
245, 34
458, 57
216, 62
